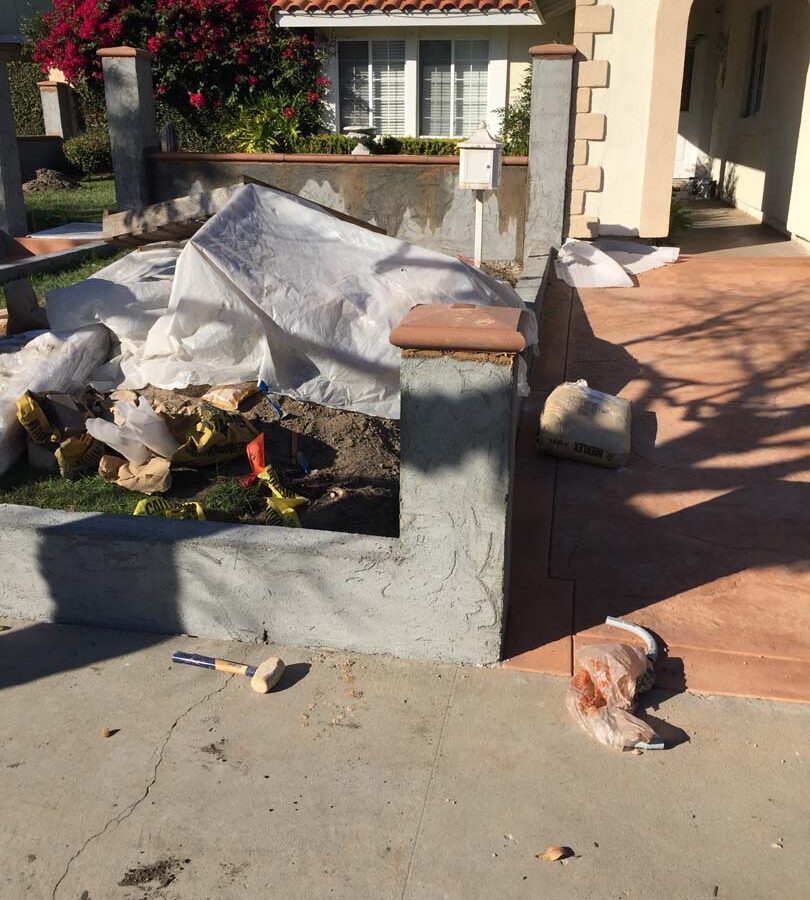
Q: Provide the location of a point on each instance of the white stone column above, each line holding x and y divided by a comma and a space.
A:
57, 108
131, 119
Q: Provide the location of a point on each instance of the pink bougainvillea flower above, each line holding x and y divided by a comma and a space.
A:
197, 100
323, 81
253, 80
154, 43
287, 54
313, 96
288, 112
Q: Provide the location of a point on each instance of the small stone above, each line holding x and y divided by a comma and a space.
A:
105, 732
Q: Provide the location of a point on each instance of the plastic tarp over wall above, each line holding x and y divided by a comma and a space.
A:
273, 288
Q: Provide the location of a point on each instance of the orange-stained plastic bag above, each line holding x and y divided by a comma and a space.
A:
603, 692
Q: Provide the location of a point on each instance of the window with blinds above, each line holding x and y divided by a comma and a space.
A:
371, 85
453, 87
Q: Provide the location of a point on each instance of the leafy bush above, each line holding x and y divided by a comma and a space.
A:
418, 146
338, 144
208, 55
515, 120
25, 102
269, 125
198, 131
89, 152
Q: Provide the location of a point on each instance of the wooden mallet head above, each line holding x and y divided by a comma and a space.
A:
267, 675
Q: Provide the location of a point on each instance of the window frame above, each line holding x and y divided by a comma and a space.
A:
370, 76
754, 88
419, 97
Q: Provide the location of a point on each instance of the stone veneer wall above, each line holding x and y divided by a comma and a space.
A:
590, 128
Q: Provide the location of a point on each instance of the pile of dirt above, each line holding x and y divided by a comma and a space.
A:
50, 180
506, 271
345, 463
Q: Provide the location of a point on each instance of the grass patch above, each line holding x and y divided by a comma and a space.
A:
226, 500
26, 487
47, 209
43, 282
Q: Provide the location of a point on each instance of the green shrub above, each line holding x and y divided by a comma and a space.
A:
268, 125
515, 120
22, 78
89, 152
337, 144
418, 146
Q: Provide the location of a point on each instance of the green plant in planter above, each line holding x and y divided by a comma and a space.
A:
269, 124
516, 119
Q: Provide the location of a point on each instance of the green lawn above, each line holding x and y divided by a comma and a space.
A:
25, 487
47, 209
45, 281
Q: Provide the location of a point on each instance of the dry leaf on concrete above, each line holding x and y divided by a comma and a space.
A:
555, 853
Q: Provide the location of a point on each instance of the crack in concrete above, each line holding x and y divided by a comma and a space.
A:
126, 813
436, 758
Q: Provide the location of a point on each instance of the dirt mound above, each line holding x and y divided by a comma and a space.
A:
50, 180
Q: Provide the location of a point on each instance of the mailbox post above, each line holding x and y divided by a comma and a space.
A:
479, 169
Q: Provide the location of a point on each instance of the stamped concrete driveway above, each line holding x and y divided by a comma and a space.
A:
705, 536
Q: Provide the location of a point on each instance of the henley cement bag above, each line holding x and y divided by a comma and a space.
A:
580, 423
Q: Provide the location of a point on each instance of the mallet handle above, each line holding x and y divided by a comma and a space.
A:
213, 662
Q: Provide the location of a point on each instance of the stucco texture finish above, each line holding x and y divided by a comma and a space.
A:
435, 593
413, 202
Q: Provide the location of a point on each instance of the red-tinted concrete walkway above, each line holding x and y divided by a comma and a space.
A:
705, 536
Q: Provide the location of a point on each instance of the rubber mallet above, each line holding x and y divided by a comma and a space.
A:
263, 678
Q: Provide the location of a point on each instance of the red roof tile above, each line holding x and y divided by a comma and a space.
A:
404, 6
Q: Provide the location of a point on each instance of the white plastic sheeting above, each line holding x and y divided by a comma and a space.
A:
47, 362
275, 289
608, 262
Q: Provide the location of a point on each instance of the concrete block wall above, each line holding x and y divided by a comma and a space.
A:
413, 198
437, 592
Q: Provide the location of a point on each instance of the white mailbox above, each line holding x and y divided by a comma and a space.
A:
480, 161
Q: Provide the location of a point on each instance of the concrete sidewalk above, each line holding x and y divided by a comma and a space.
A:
373, 778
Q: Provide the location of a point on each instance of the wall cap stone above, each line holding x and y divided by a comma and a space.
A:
553, 50
384, 159
461, 326
127, 52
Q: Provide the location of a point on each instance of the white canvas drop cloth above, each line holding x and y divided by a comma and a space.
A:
275, 289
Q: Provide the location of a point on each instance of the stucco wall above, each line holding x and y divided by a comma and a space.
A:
559, 29
418, 202
762, 160
645, 50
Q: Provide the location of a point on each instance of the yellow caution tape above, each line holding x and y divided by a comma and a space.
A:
169, 509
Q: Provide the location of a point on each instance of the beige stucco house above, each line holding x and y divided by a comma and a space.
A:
674, 88
666, 89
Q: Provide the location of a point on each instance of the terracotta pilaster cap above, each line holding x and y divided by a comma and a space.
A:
124, 52
461, 327
553, 50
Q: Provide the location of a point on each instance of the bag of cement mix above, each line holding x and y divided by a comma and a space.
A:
228, 397
55, 428
580, 423
153, 477
209, 436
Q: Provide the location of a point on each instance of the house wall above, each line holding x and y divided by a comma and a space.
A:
557, 30
762, 161
629, 81
509, 58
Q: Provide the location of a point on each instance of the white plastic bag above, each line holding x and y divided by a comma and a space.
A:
602, 695
147, 426
47, 362
141, 431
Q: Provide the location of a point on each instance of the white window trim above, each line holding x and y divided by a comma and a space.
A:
455, 19
497, 76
